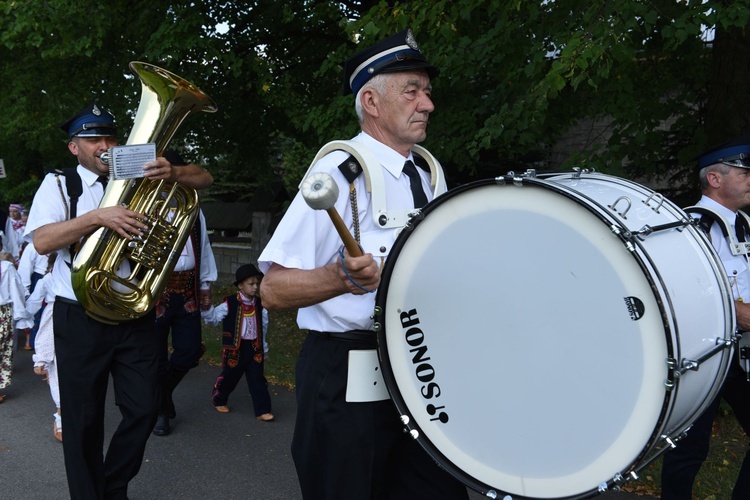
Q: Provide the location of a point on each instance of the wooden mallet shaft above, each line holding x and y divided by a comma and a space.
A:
320, 192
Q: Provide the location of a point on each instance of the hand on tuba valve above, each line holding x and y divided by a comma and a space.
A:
117, 277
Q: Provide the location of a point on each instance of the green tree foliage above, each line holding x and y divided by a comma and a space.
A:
516, 77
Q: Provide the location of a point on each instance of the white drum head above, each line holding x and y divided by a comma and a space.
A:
523, 340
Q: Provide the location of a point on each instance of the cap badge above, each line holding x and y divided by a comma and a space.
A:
411, 41
96, 110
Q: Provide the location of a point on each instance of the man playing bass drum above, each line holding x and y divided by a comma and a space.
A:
724, 173
351, 446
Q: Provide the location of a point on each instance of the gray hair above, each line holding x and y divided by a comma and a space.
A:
377, 83
721, 168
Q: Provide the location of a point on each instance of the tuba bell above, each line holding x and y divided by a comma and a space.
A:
116, 279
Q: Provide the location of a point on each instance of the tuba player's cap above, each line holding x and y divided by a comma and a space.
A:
735, 153
91, 121
398, 52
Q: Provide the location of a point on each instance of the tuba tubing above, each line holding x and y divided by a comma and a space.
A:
116, 279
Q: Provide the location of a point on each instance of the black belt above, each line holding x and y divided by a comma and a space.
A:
360, 336
68, 301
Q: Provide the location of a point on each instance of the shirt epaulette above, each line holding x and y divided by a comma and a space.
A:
350, 168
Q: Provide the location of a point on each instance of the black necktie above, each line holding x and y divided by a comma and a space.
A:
103, 179
415, 183
739, 228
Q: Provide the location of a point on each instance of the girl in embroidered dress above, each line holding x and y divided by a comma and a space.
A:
12, 310
245, 323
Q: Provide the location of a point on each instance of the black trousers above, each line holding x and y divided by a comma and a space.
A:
253, 372
185, 327
680, 465
88, 353
355, 451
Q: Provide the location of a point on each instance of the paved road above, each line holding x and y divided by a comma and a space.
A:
208, 455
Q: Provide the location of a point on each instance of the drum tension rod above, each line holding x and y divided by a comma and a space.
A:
694, 364
647, 230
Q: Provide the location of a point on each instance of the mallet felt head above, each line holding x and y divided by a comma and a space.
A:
320, 191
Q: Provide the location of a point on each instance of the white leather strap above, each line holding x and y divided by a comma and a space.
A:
374, 179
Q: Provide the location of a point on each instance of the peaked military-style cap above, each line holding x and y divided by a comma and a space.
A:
91, 121
735, 153
398, 52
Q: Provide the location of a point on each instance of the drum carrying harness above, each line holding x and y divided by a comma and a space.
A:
742, 227
362, 160
738, 246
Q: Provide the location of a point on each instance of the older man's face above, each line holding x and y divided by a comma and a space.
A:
405, 109
14, 214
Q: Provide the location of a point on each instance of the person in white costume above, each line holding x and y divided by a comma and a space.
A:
12, 315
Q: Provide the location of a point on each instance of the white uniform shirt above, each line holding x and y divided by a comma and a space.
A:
736, 266
306, 238
48, 207
186, 261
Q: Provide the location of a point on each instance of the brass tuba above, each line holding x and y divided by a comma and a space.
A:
144, 264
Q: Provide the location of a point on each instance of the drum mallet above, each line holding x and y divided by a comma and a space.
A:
320, 192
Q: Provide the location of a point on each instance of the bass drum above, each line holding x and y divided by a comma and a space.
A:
541, 337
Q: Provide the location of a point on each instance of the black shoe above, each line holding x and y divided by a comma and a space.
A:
170, 410
162, 426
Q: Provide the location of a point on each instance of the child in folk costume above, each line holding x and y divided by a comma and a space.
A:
45, 361
12, 314
245, 323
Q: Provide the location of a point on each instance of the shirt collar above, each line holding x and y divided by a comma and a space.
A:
728, 214
390, 160
246, 300
87, 176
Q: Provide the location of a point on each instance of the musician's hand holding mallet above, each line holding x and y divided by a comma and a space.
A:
358, 271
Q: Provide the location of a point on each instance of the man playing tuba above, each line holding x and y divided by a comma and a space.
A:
89, 351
